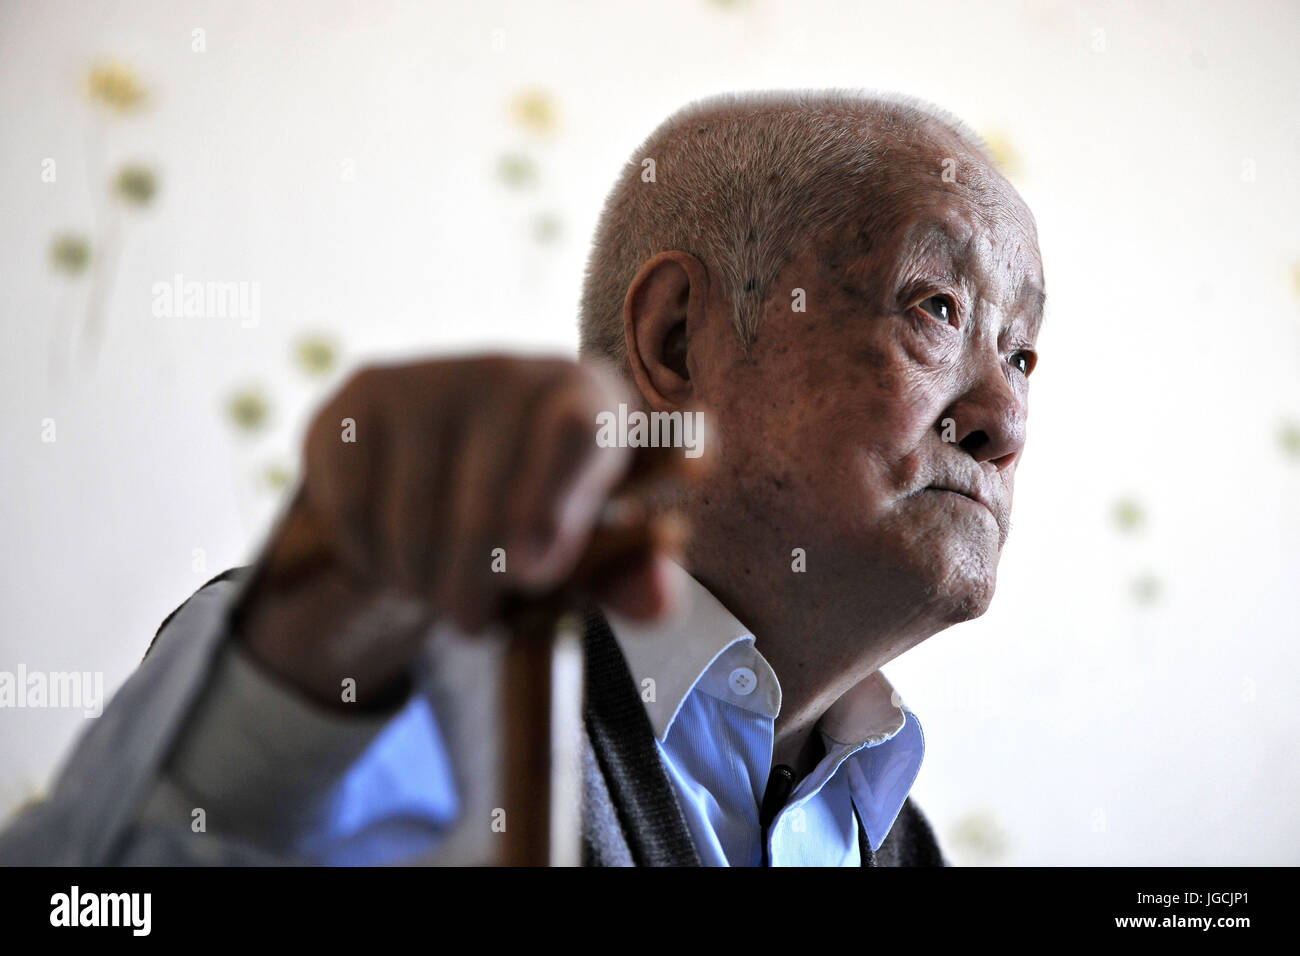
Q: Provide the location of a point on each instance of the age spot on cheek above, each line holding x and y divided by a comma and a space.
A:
872, 358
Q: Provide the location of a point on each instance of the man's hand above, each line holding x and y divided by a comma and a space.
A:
414, 476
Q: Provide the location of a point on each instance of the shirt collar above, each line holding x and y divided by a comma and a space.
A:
695, 644
668, 657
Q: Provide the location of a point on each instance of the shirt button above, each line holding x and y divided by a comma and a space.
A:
743, 681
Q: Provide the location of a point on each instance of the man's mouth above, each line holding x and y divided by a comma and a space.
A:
972, 496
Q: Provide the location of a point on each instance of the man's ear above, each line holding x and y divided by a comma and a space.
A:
666, 305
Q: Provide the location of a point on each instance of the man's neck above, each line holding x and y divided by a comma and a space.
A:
815, 652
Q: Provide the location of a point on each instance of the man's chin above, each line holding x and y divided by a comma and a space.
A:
941, 577
966, 606
961, 588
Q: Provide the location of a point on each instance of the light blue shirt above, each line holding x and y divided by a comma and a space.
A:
713, 700
198, 727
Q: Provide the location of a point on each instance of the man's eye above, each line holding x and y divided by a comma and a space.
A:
1024, 361
939, 306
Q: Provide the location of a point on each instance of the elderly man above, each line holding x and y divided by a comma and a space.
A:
850, 294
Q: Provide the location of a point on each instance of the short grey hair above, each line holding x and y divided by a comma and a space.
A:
743, 182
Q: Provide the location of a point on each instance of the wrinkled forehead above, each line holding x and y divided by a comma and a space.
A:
932, 172
977, 235
938, 179
913, 221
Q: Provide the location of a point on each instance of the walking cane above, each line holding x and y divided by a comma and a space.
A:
542, 689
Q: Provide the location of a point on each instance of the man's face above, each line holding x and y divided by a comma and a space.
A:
880, 430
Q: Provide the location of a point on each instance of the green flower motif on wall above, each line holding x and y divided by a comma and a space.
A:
248, 410
535, 111
135, 184
516, 170
1129, 515
1146, 589
1288, 437
546, 228
315, 355
116, 86
276, 477
977, 835
70, 254
1005, 155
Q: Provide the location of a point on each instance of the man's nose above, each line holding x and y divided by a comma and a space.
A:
988, 418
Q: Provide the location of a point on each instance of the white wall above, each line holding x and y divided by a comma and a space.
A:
1072, 724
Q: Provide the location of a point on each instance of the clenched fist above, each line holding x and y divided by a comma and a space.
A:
438, 490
